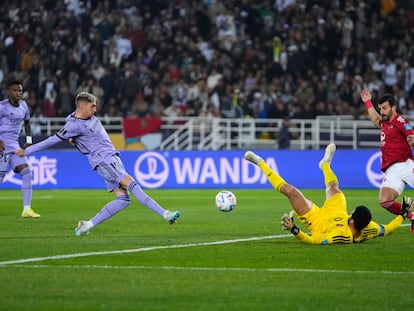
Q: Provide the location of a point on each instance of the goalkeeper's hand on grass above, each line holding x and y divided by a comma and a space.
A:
289, 224
287, 221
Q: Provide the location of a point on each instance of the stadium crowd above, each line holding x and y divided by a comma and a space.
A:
246, 58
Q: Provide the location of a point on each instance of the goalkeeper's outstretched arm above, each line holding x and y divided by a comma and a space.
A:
288, 224
392, 225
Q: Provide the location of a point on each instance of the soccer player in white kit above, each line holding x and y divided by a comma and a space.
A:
86, 132
14, 113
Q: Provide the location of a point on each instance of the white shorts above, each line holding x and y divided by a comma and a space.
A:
10, 160
112, 170
398, 175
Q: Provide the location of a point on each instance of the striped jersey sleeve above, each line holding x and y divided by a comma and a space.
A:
374, 230
337, 236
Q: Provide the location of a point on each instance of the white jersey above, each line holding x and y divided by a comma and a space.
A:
11, 122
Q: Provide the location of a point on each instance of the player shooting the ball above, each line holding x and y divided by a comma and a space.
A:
329, 224
87, 133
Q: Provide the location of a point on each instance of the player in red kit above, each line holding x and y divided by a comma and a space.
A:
397, 139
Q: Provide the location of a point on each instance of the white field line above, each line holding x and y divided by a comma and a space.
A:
41, 197
214, 269
18, 263
137, 250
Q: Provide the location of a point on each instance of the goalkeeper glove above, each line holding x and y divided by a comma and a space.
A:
406, 206
289, 224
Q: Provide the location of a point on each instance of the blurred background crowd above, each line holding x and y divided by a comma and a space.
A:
245, 58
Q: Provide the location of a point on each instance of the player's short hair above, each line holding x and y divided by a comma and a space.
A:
387, 98
361, 216
14, 82
85, 96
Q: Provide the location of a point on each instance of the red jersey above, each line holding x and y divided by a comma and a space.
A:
394, 146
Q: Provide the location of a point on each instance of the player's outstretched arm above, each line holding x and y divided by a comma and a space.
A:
19, 152
391, 226
332, 237
373, 114
289, 224
44, 144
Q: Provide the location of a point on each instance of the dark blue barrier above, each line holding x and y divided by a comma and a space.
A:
204, 169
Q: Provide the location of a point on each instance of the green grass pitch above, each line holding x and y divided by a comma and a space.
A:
210, 260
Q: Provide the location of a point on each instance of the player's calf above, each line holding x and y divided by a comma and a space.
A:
392, 206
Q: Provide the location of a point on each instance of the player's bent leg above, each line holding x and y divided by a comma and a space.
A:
144, 199
332, 189
387, 200
275, 179
392, 206
110, 209
299, 202
147, 201
330, 179
329, 153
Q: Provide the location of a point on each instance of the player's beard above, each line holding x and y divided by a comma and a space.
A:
386, 117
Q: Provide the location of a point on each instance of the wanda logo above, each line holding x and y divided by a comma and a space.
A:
373, 171
151, 170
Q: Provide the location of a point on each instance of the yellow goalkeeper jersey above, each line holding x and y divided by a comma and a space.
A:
374, 229
329, 224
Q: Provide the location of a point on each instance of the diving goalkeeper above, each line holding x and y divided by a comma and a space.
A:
329, 224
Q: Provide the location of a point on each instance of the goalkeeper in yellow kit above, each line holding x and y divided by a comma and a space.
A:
329, 224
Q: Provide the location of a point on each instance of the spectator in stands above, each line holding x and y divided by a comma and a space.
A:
239, 43
258, 106
49, 105
64, 100
283, 137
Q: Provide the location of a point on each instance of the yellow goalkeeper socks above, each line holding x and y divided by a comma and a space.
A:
328, 175
276, 180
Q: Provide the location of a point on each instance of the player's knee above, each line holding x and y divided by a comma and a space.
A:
126, 180
289, 190
124, 200
26, 171
332, 189
20, 168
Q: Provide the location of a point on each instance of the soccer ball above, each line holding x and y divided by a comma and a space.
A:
225, 201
